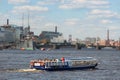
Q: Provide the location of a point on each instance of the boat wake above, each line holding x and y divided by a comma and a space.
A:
22, 70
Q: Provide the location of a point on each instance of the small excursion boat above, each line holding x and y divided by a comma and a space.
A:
64, 63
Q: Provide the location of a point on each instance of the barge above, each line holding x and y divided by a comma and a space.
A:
64, 63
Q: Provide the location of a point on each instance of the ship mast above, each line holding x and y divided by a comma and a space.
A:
28, 21
23, 20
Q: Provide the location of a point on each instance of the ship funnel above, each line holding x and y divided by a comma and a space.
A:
7, 21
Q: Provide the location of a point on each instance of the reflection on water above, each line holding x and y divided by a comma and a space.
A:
14, 65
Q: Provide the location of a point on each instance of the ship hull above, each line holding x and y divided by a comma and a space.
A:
54, 68
65, 68
68, 64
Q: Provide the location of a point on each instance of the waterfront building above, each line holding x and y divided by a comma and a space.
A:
17, 36
58, 39
102, 42
7, 34
90, 40
49, 36
2, 34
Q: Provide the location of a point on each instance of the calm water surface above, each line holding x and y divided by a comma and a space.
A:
14, 65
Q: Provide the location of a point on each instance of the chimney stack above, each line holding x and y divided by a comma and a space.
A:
7, 21
56, 29
108, 40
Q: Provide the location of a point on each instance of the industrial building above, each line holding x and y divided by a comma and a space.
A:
51, 37
15, 36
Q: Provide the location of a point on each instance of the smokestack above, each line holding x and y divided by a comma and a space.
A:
7, 21
56, 29
108, 34
108, 40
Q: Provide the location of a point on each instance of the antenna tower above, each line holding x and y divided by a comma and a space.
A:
70, 38
23, 20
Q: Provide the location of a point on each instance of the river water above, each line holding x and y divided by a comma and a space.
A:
14, 65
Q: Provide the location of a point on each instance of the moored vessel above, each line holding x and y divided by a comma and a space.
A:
64, 63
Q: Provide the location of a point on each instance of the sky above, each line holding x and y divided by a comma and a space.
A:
79, 18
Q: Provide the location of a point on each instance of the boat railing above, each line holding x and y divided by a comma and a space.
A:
49, 64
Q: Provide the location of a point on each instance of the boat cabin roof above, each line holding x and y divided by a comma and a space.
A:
82, 59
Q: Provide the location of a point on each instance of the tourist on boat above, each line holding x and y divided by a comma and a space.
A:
58, 60
63, 59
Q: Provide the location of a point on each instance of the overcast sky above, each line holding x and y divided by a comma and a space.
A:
79, 18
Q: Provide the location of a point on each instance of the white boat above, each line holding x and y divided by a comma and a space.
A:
64, 63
